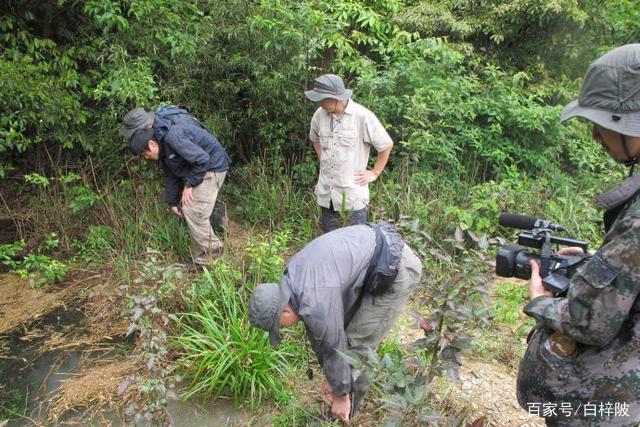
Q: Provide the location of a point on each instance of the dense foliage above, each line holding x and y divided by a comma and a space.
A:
455, 81
470, 91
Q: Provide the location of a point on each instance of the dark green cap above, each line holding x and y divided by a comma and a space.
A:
265, 306
134, 120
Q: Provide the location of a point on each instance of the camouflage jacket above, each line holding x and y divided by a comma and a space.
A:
597, 381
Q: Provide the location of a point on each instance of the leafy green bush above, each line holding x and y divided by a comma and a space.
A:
221, 353
98, 242
498, 118
38, 267
9, 253
548, 36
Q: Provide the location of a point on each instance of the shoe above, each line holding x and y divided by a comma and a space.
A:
204, 260
190, 267
217, 253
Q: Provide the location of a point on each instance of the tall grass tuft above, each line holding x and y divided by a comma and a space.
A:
274, 199
139, 219
222, 353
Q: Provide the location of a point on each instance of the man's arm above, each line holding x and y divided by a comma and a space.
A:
317, 148
172, 187
325, 329
367, 176
177, 138
381, 160
314, 130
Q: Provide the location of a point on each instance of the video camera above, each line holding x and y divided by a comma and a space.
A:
556, 270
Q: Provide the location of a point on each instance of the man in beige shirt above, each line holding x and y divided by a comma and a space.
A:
342, 133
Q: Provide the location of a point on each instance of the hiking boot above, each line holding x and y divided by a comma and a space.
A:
189, 267
207, 259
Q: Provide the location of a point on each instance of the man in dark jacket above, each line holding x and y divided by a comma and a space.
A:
324, 286
194, 164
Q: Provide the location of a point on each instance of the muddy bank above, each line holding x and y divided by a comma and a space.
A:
54, 336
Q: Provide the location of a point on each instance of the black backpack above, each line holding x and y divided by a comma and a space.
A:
383, 268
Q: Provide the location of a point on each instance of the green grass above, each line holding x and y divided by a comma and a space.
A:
222, 353
503, 339
295, 414
274, 200
139, 218
509, 298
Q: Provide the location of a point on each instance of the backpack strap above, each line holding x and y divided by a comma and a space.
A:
384, 265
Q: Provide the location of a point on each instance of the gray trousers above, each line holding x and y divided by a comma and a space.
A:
204, 241
376, 315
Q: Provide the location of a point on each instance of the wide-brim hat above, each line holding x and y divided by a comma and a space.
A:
610, 92
265, 307
328, 86
135, 119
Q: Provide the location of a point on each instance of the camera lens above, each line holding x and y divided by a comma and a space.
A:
522, 267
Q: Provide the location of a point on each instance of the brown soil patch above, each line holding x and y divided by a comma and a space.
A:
104, 309
96, 387
22, 304
19, 303
8, 230
237, 236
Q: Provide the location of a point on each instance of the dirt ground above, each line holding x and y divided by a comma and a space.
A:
490, 389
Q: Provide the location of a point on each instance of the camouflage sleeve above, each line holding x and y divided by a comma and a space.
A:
602, 292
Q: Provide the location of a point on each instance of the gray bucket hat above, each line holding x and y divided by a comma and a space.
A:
328, 86
135, 119
610, 92
265, 306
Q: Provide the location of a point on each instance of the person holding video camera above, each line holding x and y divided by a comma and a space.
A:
582, 364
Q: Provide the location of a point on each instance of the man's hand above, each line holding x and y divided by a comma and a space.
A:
187, 196
341, 407
327, 393
365, 177
176, 212
570, 250
535, 283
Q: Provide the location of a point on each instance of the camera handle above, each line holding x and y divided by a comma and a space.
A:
545, 254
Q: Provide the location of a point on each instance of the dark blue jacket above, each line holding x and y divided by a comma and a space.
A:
187, 152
